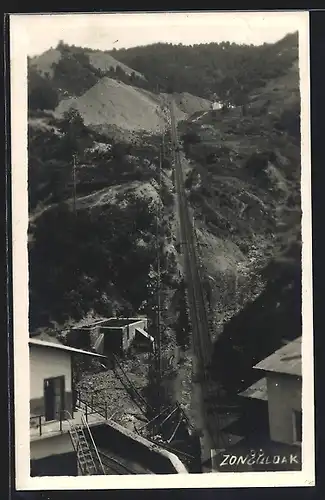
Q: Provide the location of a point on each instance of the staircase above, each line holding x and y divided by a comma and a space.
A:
87, 456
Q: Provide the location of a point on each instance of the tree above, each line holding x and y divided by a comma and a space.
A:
41, 93
76, 135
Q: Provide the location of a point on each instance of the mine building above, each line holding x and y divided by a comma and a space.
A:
112, 335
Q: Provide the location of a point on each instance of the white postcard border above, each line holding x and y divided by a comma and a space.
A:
305, 477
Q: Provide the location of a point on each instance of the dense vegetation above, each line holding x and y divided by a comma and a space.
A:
73, 72
90, 259
76, 262
42, 94
227, 69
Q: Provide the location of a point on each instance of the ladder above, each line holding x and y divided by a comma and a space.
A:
86, 456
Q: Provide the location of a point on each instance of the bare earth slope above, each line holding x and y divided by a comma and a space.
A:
111, 102
104, 61
43, 63
98, 59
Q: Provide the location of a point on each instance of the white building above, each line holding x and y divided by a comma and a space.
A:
281, 390
52, 407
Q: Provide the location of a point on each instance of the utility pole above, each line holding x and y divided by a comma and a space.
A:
163, 145
74, 184
158, 338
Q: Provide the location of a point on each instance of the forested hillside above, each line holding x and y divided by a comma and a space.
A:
229, 70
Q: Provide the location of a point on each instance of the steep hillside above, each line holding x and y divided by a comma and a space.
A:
264, 324
69, 71
98, 59
44, 62
243, 183
105, 62
229, 70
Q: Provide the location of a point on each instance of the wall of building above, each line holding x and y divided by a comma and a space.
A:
113, 340
129, 332
50, 446
79, 338
53, 456
45, 363
255, 418
284, 396
119, 339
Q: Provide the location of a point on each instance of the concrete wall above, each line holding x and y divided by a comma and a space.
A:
63, 465
50, 446
119, 339
123, 442
129, 333
45, 363
284, 396
113, 340
53, 456
79, 338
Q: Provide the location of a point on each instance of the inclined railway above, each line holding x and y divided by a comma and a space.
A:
208, 413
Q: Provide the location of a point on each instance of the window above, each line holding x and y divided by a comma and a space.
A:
297, 429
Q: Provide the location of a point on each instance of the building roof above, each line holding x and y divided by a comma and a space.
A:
109, 323
258, 390
43, 343
286, 360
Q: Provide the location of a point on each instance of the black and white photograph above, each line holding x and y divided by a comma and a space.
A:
162, 268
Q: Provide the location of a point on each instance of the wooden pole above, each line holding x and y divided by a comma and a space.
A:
74, 184
158, 348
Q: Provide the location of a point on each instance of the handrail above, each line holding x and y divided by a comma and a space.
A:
39, 417
85, 423
97, 408
175, 430
155, 418
131, 383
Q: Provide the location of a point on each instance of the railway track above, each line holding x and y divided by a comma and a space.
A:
201, 338
114, 466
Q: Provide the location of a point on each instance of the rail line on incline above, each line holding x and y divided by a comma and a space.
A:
204, 389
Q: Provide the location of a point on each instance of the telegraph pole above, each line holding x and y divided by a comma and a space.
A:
158, 339
74, 184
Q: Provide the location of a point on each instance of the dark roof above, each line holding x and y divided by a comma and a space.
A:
43, 343
258, 390
287, 360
